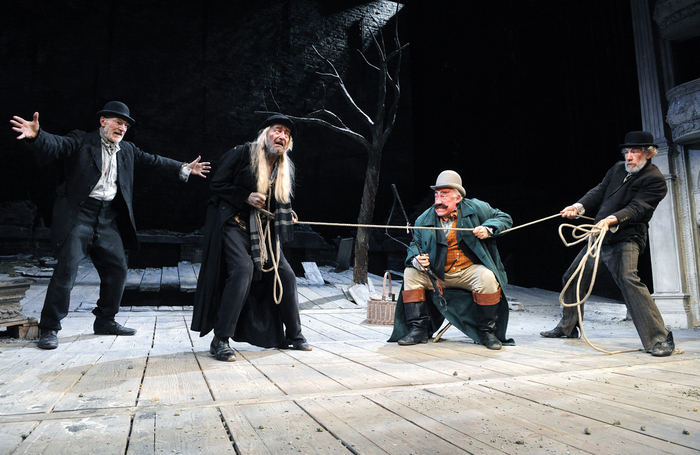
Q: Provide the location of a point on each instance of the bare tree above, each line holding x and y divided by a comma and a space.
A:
379, 125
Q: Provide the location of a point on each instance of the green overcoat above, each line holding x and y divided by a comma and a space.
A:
460, 309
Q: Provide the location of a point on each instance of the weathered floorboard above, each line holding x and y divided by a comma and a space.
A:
170, 279
103, 435
280, 427
188, 277
161, 391
133, 279
185, 431
151, 280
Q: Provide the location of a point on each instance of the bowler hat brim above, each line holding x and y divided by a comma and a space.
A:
121, 115
638, 144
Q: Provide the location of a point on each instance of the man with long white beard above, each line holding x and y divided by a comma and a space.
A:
624, 201
246, 289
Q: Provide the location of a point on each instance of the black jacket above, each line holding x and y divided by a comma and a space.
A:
632, 202
81, 154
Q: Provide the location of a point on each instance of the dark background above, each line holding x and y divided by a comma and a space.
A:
526, 99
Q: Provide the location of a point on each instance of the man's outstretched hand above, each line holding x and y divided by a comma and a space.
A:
26, 129
199, 168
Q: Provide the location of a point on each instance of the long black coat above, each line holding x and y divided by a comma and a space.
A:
632, 202
260, 323
81, 154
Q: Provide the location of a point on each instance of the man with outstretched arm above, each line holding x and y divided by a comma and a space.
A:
93, 214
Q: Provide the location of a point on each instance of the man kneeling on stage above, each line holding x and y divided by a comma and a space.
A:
458, 260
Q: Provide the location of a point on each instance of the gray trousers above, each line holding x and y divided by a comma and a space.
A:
622, 260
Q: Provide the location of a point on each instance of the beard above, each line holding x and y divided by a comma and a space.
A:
639, 167
271, 150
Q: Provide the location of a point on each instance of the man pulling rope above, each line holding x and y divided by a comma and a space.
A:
624, 201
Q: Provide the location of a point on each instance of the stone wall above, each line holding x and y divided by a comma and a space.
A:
195, 76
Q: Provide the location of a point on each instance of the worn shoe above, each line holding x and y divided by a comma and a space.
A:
221, 350
489, 340
415, 336
301, 346
111, 327
48, 340
557, 332
664, 348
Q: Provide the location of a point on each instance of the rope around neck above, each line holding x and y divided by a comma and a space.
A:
595, 242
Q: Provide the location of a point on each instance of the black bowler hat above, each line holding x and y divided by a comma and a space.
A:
279, 119
638, 139
117, 109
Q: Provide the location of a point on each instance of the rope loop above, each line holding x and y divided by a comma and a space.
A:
265, 237
595, 237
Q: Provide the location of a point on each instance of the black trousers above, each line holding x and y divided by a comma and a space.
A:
95, 234
239, 268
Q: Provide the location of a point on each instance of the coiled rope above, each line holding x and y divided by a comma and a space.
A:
274, 256
595, 237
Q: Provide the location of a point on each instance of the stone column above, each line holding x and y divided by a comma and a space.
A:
665, 234
684, 119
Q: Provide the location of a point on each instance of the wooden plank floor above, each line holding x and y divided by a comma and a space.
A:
161, 392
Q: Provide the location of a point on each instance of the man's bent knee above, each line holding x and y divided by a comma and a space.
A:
488, 283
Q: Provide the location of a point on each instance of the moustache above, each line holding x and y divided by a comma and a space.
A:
439, 206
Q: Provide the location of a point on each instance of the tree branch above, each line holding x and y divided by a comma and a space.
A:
344, 90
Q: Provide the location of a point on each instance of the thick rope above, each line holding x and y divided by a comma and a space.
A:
274, 255
595, 242
429, 228
265, 236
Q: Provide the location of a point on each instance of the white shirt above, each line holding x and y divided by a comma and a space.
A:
106, 188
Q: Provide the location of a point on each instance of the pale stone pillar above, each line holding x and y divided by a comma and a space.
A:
667, 240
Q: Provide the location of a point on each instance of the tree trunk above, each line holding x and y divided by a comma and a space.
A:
369, 193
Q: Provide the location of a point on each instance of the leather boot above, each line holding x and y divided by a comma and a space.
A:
221, 350
664, 348
48, 339
487, 305
417, 317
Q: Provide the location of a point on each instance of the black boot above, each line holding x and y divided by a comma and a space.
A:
48, 339
417, 317
487, 305
558, 332
221, 350
664, 348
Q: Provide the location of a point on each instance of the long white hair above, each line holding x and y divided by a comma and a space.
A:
284, 180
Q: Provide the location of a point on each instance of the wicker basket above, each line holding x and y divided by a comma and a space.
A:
381, 310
